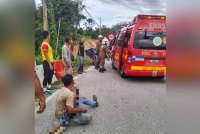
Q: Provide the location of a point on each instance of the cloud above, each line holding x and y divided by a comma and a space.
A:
115, 11
141, 6
38, 2
126, 16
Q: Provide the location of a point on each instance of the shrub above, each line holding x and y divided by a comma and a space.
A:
87, 61
75, 62
38, 59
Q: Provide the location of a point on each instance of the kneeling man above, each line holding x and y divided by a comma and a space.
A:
66, 112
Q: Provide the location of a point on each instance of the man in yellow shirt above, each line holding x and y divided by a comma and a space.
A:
47, 57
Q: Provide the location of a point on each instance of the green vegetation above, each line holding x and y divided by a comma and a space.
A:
70, 12
87, 61
38, 59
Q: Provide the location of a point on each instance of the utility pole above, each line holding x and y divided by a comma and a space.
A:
58, 35
100, 25
45, 20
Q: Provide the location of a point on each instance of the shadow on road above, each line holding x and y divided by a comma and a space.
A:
146, 79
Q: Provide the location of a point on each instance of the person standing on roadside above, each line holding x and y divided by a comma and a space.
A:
98, 46
81, 53
71, 48
66, 56
102, 55
47, 58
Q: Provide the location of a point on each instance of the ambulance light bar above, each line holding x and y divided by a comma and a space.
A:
151, 17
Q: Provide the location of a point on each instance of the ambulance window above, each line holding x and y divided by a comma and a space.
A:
134, 20
120, 39
127, 40
150, 40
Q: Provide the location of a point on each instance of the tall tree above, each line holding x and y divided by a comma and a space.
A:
45, 19
38, 28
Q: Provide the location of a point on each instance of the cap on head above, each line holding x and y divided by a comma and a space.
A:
104, 41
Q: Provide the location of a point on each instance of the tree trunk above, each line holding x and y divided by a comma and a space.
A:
45, 19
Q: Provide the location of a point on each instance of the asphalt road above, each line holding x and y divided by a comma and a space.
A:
126, 106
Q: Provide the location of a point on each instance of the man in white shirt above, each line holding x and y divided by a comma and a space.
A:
66, 56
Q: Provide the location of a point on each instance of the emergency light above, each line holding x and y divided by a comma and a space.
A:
162, 18
151, 17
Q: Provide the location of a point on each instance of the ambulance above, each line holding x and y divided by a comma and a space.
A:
139, 49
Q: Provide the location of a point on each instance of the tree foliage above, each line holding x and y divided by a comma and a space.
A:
70, 12
115, 28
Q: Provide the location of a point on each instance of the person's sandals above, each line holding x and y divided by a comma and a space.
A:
46, 93
104, 69
52, 88
95, 99
96, 67
101, 70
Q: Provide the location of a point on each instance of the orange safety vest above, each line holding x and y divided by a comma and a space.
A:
50, 52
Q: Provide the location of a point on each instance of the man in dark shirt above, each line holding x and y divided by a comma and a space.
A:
81, 56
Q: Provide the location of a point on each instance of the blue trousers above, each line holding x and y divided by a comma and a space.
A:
88, 102
81, 119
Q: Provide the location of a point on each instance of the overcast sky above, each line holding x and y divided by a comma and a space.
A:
115, 11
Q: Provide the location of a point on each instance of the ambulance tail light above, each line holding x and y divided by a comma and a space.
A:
129, 59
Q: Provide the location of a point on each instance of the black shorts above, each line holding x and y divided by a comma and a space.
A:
48, 73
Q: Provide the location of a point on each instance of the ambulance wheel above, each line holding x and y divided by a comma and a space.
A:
121, 72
